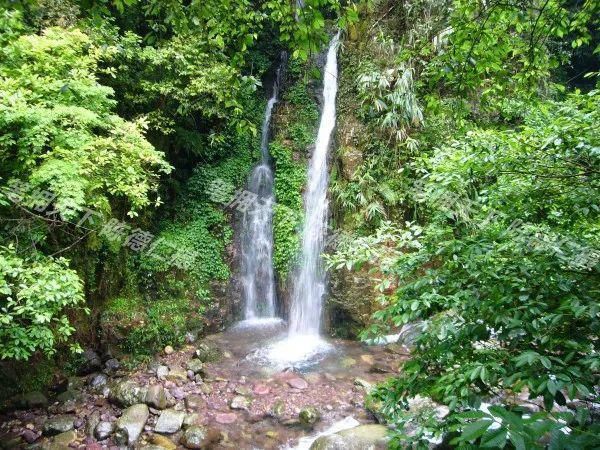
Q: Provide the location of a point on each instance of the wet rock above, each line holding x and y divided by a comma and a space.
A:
163, 442
68, 396
98, 381
261, 389
309, 415
226, 418
91, 362
169, 350
156, 397
130, 424
58, 424
195, 365
177, 374
162, 371
380, 368
103, 430
419, 405
30, 436
127, 393
31, 400
239, 402
64, 439
375, 407
169, 422
409, 333
297, 383
194, 402
206, 352
111, 366
363, 437
177, 393
195, 437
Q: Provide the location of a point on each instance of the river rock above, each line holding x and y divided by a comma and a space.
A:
91, 362
91, 422
112, 366
103, 430
277, 410
58, 424
63, 440
162, 371
363, 437
169, 422
261, 389
127, 393
195, 365
195, 437
242, 390
98, 381
309, 415
194, 402
297, 383
169, 350
239, 402
177, 374
206, 352
156, 396
131, 424
163, 442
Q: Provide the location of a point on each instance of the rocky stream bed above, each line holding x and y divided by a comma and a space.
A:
213, 394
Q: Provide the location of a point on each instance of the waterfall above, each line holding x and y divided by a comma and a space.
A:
258, 279
309, 285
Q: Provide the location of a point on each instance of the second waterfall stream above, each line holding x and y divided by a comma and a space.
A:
304, 339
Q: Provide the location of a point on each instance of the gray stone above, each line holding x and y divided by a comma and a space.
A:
91, 362
177, 374
98, 381
64, 440
195, 365
58, 424
127, 393
191, 419
195, 437
131, 424
239, 402
162, 371
363, 437
169, 422
111, 366
156, 396
103, 430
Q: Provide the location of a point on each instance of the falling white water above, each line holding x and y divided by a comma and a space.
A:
258, 280
309, 286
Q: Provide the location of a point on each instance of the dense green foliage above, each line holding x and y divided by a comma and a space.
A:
496, 251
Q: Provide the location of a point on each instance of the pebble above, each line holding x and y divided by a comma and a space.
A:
226, 418
261, 389
169, 350
297, 383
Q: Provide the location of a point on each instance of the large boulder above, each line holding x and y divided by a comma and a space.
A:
126, 393
363, 437
131, 424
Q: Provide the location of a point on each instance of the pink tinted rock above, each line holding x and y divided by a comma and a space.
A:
226, 418
298, 383
261, 389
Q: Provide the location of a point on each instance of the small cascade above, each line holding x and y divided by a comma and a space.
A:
309, 286
303, 345
258, 279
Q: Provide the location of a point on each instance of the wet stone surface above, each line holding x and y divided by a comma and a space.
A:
239, 401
